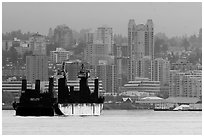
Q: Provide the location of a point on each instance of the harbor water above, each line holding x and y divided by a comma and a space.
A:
110, 122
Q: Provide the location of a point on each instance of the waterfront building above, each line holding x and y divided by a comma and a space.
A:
172, 82
188, 84
142, 87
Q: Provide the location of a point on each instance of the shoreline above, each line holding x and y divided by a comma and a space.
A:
111, 106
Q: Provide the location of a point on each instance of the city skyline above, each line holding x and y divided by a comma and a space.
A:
125, 61
184, 19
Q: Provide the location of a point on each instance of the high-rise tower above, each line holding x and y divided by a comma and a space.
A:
131, 40
63, 37
37, 68
99, 46
38, 44
140, 41
149, 39
37, 64
141, 44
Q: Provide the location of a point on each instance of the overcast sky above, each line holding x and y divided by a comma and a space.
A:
174, 19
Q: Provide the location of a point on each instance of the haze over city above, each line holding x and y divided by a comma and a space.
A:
173, 19
130, 65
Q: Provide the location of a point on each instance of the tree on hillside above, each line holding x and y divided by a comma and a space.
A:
195, 56
79, 49
16, 34
161, 46
185, 44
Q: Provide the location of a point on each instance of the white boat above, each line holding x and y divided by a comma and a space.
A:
182, 107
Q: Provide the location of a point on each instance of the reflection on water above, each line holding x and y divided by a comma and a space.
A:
111, 122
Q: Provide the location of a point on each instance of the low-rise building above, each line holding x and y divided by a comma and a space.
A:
15, 86
59, 55
188, 84
142, 87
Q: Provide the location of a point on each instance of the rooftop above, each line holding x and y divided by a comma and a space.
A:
182, 100
152, 98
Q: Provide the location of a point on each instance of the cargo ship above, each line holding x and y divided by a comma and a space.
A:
34, 102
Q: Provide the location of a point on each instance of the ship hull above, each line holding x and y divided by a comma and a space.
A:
35, 111
81, 109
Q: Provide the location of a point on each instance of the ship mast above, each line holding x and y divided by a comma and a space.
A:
83, 73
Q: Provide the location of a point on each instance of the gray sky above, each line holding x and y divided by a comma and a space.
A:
174, 19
